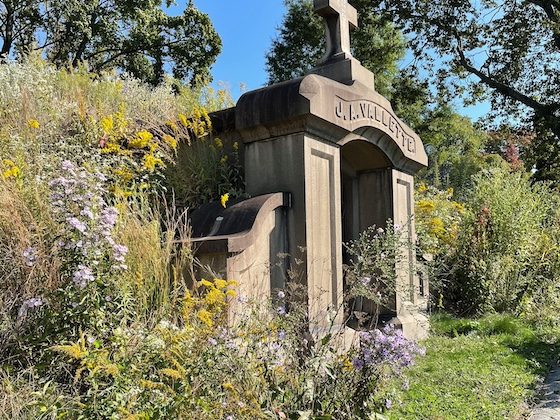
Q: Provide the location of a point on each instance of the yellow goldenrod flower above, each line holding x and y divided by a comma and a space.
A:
214, 297
149, 384
150, 162
205, 283
459, 207
172, 373
112, 369
170, 140
172, 125
75, 351
121, 193
107, 124
11, 171
224, 199
218, 143
206, 317
141, 140
347, 364
114, 148
188, 305
220, 284
183, 119
437, 226
34, 124
123, 173
426, 205
228, 386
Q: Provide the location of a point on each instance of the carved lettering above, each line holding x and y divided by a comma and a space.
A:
412, 145
338, 109
376, 115
392, 124
385, 118
363, 109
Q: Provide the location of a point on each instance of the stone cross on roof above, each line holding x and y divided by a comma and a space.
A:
339, 17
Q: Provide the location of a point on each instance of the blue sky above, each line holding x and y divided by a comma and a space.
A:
247, 28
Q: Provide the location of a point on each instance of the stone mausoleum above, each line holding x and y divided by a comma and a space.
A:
325, 157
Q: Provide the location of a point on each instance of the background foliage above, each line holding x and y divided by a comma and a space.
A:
137, 37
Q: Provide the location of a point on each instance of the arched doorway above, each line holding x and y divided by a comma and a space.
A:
367, 200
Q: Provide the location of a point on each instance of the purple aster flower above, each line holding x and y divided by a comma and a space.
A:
281, 310
358, 363
83, 276
109, 216
87, 213
119, 252
387, 346
77, 224
67, 166
30, 255
28, 304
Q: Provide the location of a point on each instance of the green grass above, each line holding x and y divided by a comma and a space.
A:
475, 369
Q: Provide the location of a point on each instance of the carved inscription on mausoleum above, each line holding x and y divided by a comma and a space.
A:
376, 115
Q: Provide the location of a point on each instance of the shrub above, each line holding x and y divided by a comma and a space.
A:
502, 262
438, 219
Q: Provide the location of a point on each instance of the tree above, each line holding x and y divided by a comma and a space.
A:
19, 19
456, 149
508, 48
301, 43
134, 36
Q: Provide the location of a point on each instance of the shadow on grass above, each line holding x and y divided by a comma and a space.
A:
539, 348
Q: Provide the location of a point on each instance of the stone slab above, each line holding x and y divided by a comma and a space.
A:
549, 406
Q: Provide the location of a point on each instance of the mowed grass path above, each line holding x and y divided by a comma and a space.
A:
476, 369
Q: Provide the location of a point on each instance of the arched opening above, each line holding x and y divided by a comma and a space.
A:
366, 188
367, 200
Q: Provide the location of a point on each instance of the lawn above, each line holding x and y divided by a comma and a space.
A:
476, 369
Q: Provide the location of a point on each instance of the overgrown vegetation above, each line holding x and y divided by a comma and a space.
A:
101, 314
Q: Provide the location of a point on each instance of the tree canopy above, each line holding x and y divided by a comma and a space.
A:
301, 43
506, 49
138, 37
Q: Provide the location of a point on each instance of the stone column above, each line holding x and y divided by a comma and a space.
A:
309, 169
